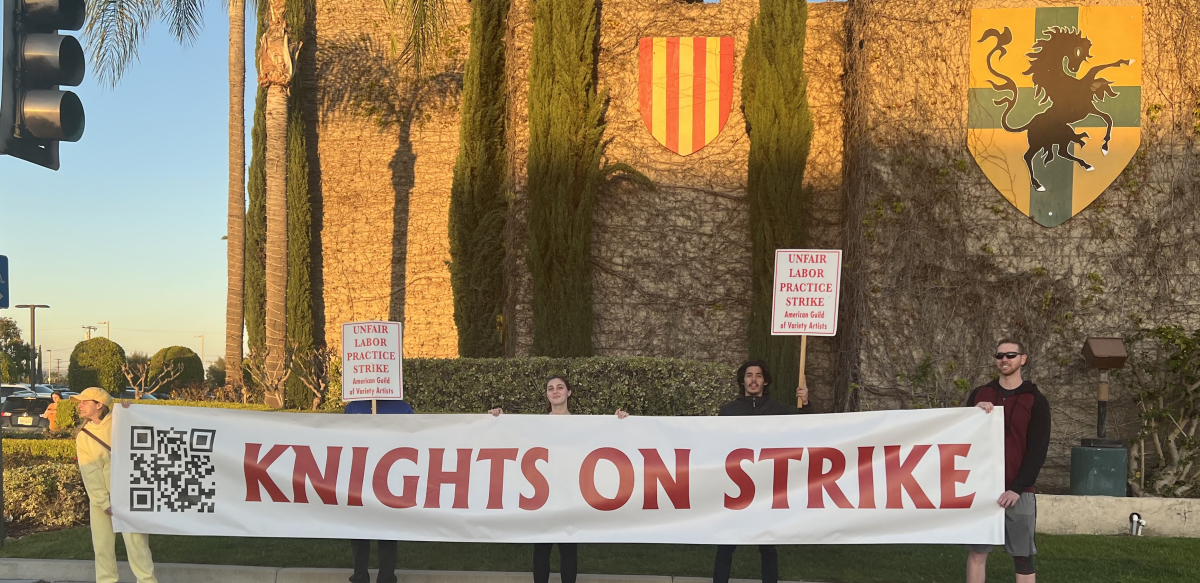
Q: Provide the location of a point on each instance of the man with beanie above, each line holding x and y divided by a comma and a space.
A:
1026, 439
754, 398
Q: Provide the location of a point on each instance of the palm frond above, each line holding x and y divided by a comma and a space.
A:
185, 18
114, 32
116, 29
423, 21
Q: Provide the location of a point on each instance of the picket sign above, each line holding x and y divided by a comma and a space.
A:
372, 361
804, 300
918, 476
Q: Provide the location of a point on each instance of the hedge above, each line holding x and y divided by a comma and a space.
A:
43, 496
641, 386
68, 416
24, 452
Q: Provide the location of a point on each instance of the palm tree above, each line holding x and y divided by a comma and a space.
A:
236, 226
276, 56
114, 32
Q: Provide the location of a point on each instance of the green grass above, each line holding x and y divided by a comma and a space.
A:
1061, 558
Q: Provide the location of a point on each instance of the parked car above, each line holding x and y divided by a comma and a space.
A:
129, 393
8, 389
43, 391
24, 413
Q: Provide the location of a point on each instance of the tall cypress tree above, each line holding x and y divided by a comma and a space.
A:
477, 197
300, 329
256, 214
565, 146
775, 102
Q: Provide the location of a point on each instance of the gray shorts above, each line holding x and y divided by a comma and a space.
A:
1020, 521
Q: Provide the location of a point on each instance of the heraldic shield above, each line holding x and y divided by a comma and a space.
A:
1054, 112
685, 89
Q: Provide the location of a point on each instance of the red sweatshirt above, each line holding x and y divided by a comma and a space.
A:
1026, 430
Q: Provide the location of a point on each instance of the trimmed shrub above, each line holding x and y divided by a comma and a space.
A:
66, 417
180, 356
45, 496
25, 452
97, 363
601, 385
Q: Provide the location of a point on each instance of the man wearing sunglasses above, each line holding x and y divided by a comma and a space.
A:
1026, 438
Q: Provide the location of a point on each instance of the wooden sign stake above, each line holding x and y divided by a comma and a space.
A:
803, 353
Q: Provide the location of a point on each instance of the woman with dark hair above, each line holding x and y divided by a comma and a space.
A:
93, 449
558, 398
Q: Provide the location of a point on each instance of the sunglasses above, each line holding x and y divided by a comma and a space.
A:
1008, 355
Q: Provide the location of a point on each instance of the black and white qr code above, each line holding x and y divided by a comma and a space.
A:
172, 470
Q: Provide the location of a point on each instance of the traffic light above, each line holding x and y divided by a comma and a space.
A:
34, 114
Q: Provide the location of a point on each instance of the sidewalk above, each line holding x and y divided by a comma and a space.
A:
54, 571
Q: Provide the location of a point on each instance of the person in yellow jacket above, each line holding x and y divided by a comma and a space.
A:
93, 446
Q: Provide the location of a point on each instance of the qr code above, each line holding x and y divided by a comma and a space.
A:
172, 470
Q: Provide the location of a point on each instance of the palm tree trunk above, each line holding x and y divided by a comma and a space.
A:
277, 114
276, 59
234, 316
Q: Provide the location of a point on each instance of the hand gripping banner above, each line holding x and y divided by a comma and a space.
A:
929, 476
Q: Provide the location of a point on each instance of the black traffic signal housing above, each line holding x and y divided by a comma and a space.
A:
34, 114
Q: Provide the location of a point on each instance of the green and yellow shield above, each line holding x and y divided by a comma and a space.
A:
1054, 112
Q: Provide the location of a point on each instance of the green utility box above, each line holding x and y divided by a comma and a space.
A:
1099, 468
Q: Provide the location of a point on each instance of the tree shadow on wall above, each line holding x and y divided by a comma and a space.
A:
361, 77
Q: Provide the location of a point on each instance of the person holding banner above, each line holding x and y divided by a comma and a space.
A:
754, 398
558, 399
1026, 439
93, 449
360, 550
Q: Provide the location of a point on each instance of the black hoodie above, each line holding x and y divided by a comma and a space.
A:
758, 405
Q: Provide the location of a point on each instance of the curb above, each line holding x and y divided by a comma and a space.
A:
64, 571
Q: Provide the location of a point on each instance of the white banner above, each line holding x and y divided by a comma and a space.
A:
929, 476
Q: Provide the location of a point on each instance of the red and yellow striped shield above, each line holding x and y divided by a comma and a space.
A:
686, 89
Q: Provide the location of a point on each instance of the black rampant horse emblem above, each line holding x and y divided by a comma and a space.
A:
1063, 114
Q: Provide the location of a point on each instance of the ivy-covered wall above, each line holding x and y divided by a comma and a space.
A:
943, 266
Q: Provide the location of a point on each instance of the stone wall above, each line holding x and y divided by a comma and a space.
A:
949, 266
386, 149
671, 268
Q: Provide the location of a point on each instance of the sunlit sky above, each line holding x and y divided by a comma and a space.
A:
130, 229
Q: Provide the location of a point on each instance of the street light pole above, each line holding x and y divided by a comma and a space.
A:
201, 337
33, 380
107, 331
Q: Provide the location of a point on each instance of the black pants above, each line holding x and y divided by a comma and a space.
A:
770, 563
360, 551
568, 560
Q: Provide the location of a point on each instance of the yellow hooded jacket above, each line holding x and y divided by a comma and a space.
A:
95, 460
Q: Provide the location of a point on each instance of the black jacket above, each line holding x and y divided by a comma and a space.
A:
747, 405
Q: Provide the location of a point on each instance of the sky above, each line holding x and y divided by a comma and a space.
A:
130, 230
